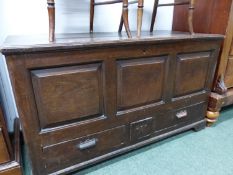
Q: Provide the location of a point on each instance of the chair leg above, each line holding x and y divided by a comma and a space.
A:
125, 18
190, 17
92, 11
154, 15
140, 15
121, 24
51, 13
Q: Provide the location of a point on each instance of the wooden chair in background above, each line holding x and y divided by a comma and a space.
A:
124, 13
51, 13
191, 4
124, 16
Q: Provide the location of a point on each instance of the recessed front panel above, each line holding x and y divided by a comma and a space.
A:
68, 94
191, 73
140, 81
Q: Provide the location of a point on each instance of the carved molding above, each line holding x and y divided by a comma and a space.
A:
220, 87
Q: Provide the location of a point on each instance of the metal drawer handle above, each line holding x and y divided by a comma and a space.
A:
87, 144
182, 114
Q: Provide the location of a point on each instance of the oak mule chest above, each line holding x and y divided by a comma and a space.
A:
86, 98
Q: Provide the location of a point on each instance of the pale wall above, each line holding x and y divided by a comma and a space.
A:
24, 17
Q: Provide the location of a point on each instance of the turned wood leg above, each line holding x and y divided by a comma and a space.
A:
125, 18
140, 15
190, 17
51, 13
216, 101
121, 24
154, 15
212, 117
92, 11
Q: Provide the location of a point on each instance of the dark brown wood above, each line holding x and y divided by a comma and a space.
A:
220, 87
5, 145
154, 13
4, 154
85, 90
104, 142
100, 95
229, 73
191, 4
207, 19
92, 15
13, 167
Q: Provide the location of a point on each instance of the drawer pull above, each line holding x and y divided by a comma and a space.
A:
182, 114
87, 144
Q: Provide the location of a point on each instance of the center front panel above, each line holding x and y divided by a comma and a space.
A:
140, 81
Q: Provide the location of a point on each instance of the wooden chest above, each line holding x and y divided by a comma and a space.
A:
87, 99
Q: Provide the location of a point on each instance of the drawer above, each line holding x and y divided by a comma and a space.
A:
141, 130
174, 117
66, 154
191, 113
4, 154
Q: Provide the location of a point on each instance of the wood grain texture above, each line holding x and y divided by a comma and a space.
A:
106, 141
4, 154
13, 167
68, 93
26, 44
140, 81
229, 73
207, 19
5, 144
192, 70
135, 78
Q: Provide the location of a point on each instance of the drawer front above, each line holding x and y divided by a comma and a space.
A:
140, 130
4, 154
69, 153
181, 115
191, 113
